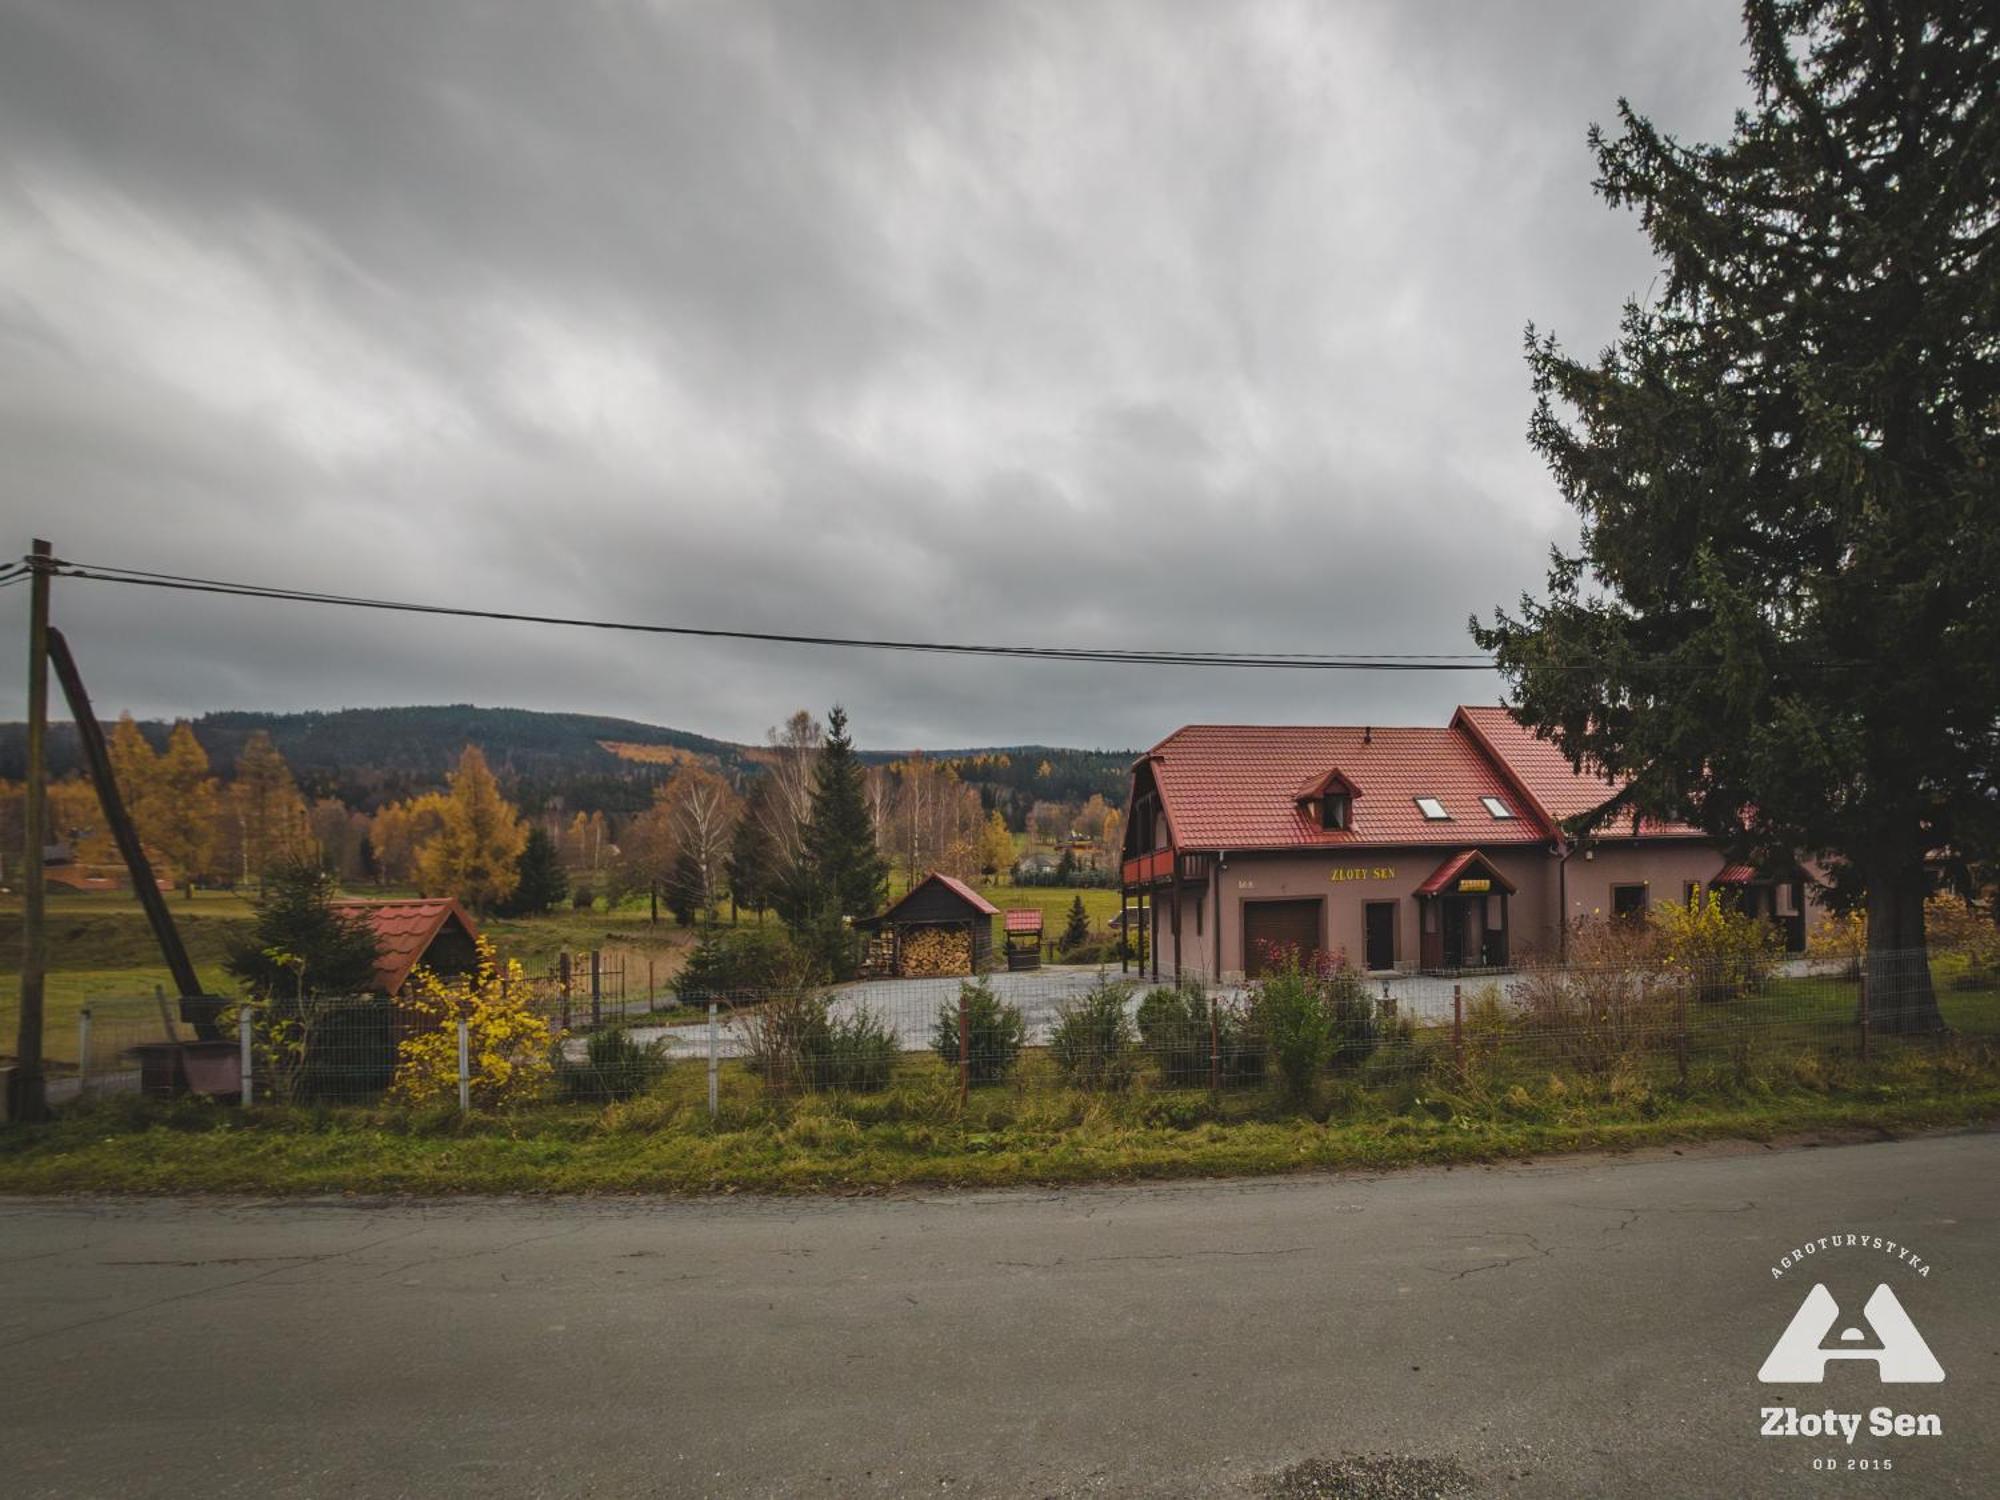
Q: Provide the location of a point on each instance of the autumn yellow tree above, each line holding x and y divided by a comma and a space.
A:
269, 813
996, 845
136, 767
179, 819
475, 854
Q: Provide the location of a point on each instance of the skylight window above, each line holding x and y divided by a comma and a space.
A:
1433, 809
1498, 808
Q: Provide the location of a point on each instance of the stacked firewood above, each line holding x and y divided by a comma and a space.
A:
930, 952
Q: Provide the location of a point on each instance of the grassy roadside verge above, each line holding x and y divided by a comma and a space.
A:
197, 1149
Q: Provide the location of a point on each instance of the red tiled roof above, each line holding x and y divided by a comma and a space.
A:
1545, 774
1733, 875
1028, 920
404, 932
958, 888
1452, 868
1236, 786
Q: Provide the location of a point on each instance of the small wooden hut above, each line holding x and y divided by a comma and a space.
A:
1023, 937
942, 928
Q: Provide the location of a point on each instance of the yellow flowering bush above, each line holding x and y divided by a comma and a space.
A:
1721, 951
510, 1048
1957, 926
1840, 938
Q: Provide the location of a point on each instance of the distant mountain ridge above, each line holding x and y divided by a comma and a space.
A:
369, 755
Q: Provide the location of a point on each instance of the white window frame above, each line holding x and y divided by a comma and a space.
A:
1439, 816
1498, 808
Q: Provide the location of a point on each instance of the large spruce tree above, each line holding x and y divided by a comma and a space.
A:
1784, 617
842, 874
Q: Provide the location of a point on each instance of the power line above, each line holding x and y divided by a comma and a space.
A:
1439, 661
1297, 661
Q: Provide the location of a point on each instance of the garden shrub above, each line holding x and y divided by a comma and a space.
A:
994, 1033
1350, 1014
1174, 1026
1297, 1026
510, 1046
741, 964
797, 1044
1093, 1043
615, 1065
1720, 952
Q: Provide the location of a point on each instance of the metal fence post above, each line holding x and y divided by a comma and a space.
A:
714, 1047
83, 1051
243, 1056
596, 987
1457, 1029
464, 1067
563, 981
964, 1050
1214, 1049
1681, 1029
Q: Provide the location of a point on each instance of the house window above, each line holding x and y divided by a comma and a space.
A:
1498, 808
1335, 808
1689, 891
1628, 901
1433, 809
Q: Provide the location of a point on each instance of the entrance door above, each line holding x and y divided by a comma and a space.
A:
1278, 924
1379, 930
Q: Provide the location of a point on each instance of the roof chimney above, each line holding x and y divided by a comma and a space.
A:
1368, 734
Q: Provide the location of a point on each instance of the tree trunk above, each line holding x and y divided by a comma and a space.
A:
1901, 1000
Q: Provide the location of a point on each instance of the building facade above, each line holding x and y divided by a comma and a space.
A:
1397, 848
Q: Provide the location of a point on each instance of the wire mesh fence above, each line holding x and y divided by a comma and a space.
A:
527, 1042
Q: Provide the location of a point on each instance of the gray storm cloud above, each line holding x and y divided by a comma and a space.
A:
1172, 325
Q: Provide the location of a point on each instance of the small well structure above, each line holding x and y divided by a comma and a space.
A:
1022, 931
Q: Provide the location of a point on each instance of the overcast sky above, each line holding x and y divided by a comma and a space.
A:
1141, 325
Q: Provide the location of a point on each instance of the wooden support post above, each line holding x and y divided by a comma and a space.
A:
1458, 1029
964, 1050
31, 1101
1124, 933
110, 797
1177, 915
244, 1052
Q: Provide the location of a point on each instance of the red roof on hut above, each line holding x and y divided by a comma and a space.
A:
405, 932
1026, 919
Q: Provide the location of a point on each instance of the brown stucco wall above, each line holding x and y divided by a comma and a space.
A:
1545, 893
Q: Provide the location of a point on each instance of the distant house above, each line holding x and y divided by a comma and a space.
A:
438, 934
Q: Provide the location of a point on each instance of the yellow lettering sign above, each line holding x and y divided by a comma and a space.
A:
1362, 872
1471, 887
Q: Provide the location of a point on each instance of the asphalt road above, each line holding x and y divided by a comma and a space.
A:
1575, 1328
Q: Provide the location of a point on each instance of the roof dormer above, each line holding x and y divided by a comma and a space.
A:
1328, 800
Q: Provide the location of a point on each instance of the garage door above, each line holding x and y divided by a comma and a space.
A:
1278, 924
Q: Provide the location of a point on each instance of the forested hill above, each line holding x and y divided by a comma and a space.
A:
366, 756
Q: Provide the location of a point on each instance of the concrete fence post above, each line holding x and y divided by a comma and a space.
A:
464, 1067
1388, 1003
1214, 1049
714, 1058
244, 1056
964, 1050
1458, 1029
83, 1051
1861, 1013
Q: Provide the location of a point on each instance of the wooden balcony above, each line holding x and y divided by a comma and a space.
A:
1156, 867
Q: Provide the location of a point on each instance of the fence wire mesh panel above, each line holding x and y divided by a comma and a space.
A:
1306, 1032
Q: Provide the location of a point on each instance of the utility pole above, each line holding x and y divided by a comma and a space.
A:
30, 1100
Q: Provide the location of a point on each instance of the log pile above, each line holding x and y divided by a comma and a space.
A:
936, 952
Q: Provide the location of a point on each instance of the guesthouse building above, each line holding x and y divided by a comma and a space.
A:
1401, 849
